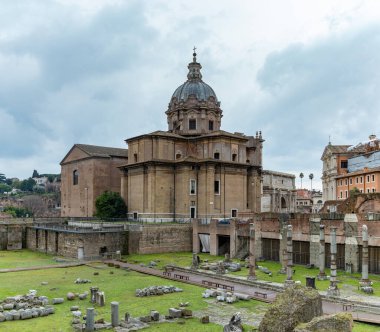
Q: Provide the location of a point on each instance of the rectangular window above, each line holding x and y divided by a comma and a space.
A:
367, 190
211, 125
217, 187
346, 182
350, 181
341, 194
234, 157
193, 187
341, 182
367, 178
216, 155
234, 213
357, 180
192, 124
343, 164
346, 193
373, 177
361, 179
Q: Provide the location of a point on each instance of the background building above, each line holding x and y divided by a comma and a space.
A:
86, 172
193, 170
279, 194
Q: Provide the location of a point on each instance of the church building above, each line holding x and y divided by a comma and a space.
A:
194, 169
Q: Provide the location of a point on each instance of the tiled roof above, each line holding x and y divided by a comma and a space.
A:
102, 151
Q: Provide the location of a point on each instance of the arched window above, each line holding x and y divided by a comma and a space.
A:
75, 177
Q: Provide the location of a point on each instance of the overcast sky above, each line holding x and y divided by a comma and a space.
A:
98, 72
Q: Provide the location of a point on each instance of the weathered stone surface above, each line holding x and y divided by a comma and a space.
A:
205, 319
175, 313
82, 296
70, 296
234, 324
297, 304
156, 290
186, 313
155, 315
340, 322
74, 308
145, 319
57, 300
2, 317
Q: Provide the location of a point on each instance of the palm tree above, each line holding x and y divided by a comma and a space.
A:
311, 177
301, 176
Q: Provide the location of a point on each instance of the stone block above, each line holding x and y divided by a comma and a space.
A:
155, 315
205, 319
175, 313
186, 313
57, 300
2, 317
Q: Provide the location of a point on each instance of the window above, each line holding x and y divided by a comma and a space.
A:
350, 181
367, 178
361, 190
343, 164
216, 155
75, 177
373, 177
217, 187
341, 182
234, 213
192, 124
373, 190
361, 179
211, 125
178, 156
341, 194
346, 193
135, 157
367, 190
234, 157
346, 182
357, 180
193, 187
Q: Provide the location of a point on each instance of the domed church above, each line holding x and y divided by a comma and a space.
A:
194, 169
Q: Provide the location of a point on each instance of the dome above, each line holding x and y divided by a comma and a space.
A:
194, 85
199, 89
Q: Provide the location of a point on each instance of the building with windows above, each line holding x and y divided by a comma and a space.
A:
86, 172
194, 169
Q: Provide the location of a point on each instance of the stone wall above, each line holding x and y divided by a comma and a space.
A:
147, 239
75, 244
12, 236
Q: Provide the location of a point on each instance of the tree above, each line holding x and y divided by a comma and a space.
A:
4, 188
354, 191
311, 177
301, 176
27, 185
3, 179
110, 205
35, 174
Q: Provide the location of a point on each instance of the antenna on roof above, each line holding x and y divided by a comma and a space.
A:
329, 139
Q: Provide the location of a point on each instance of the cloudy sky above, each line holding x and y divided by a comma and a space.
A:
100, 71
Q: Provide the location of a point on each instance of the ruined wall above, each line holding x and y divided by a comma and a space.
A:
12, 236
146, 239
67, 244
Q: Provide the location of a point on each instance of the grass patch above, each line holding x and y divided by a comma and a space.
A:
25, 258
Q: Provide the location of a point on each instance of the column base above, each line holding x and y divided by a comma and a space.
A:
322, 276
252, 278
365, 285
288, 283
333, 291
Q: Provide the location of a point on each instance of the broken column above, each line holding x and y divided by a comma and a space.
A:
115, 314
252, 261
93, 291
322, 274
289, 248
195, 263
333, 288
90, 320
365, 283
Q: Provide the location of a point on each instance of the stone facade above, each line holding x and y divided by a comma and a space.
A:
86, 172
193, 170
278, 192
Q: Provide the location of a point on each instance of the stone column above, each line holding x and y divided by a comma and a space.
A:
365, 284
289, 248
196, 241
322, 263
333, 288
252, 252
115, 314
90, 320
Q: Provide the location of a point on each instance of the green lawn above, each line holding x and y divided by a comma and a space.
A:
120, 285
26, 258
